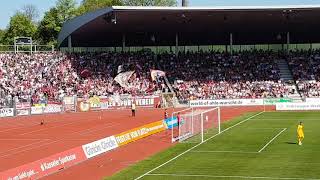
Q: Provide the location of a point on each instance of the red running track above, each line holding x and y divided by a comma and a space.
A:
23, 140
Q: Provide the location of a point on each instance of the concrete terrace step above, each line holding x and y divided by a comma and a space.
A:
285, 73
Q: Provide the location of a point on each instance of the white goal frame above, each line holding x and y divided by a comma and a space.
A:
192, 123
175, 113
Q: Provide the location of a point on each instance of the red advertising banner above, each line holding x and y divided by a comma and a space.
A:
45, 166
99, 103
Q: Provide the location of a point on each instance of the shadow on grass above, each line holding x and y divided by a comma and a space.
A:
290, 142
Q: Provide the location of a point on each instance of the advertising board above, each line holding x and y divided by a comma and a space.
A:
140, 132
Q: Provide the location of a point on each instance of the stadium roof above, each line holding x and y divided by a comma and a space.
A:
147, 26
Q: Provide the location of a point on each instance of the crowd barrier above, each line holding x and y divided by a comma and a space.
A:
75, 104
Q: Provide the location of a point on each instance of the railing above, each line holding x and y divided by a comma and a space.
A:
203, 48
96, 103
75, 104
26, 48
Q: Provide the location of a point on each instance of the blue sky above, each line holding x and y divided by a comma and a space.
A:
9, 7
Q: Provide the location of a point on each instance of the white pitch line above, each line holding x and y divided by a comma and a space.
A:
272, 140
282, 119
181, 154
232, 177
264, 128
244, 152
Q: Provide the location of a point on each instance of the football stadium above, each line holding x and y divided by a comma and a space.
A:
120, 90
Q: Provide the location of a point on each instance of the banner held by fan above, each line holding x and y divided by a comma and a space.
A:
123, 78
156, 73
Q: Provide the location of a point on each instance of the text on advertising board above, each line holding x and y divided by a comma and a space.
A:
140, 132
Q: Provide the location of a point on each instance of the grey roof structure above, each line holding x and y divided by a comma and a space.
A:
147, 26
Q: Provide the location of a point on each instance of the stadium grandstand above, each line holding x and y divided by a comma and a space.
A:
244, 62
205, 52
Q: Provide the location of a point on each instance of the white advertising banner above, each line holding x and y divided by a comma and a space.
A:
23, 112
52, 108
313, 100
297, 106
37, 110
226, 102
6, 112
98, 147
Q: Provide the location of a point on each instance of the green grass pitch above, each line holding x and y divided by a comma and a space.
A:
250, 147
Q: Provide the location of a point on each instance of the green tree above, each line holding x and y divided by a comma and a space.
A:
2, 34
51, 24
150, 2
49, 27
66, 9
19, 25
91, 5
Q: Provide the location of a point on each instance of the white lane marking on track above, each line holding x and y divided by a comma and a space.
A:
20, 147
58, 140
30, 132
21, 139
91, 130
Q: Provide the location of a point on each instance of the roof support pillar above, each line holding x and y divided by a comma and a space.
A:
123, 42
69, 43
231, 43
288, 41
177, 44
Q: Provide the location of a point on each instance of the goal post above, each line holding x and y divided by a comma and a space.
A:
195, 124
210, 122
174, 115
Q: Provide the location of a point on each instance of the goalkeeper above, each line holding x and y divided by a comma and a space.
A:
300, 133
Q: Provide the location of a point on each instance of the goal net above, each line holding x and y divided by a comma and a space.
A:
195, 125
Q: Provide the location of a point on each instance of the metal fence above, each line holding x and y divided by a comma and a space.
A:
202, 48
27, 106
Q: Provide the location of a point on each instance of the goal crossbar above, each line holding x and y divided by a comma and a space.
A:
192, 123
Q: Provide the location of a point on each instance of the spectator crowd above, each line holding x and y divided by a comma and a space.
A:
305, 67
200, 75
221, 76
55, 75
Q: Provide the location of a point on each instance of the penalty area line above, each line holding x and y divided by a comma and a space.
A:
266, 145
240, 152
231, 177
190, 149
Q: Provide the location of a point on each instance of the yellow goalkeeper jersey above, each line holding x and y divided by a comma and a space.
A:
300, 131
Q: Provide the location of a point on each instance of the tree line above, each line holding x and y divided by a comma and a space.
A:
25, 22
